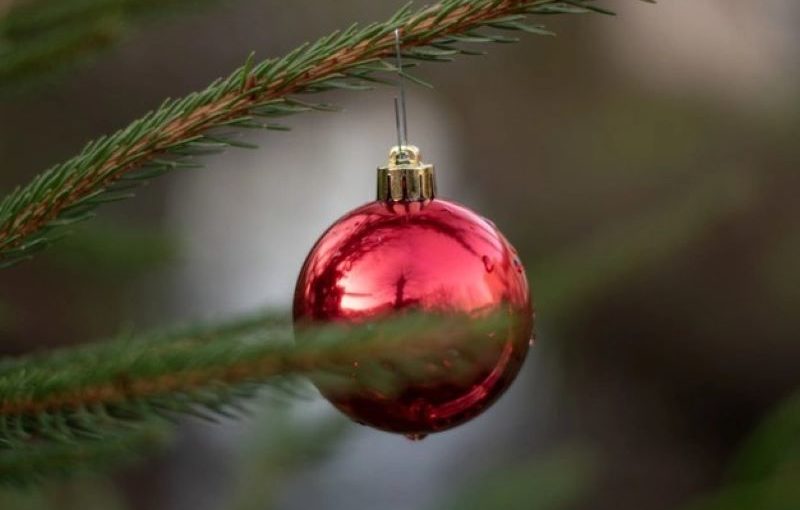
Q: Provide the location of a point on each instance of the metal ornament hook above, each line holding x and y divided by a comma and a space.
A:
400, 103
405, 178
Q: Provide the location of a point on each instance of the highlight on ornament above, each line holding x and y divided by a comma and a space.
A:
411, 251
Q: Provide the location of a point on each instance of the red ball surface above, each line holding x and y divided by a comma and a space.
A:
433, 256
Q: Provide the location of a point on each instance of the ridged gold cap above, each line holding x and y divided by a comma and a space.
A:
406, 178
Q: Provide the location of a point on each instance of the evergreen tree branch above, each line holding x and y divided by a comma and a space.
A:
25, 466
95, 392
168, 138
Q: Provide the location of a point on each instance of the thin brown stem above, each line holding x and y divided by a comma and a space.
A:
416, 32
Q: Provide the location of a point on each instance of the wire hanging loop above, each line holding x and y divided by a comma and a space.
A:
400, 103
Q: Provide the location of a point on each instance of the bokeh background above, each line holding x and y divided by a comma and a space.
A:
644, 165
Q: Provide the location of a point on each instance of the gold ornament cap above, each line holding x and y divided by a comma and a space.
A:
406, 178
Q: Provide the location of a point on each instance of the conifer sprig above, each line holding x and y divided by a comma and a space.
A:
97, 391
176, 133
20, 467
83, 408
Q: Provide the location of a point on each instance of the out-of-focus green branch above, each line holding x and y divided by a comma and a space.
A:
41, 36
85, 396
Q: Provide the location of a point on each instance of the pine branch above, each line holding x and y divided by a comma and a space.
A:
95, 392
169, 138
25, 466
84, 408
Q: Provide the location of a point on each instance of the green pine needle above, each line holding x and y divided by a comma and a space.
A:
21, 467
85, 397
179, 131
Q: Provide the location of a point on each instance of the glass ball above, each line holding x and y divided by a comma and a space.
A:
434, 256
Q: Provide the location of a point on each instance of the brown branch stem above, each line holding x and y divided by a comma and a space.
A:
34, 217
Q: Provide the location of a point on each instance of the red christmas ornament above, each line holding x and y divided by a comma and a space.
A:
411, 251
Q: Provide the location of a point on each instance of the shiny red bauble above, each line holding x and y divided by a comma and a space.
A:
432, 256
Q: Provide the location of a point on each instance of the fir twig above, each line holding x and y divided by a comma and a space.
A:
165, 139
82, 408
95, 392
25, 466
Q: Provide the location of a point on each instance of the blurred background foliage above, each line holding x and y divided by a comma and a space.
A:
645, 167
38, 37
